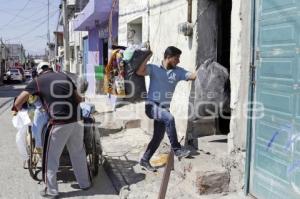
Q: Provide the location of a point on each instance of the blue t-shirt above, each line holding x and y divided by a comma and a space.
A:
163, 83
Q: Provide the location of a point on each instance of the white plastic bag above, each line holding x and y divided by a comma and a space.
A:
21, 121
21, 143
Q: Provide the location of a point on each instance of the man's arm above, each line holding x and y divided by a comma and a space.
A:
78, 97
142, 70
21, 99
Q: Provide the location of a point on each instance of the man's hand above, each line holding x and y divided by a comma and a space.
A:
14, 113
193, 76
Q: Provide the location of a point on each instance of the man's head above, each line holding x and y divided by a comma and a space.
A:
172, 56
42, 67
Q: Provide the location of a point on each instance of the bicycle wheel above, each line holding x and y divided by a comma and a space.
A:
34, 166
93, 156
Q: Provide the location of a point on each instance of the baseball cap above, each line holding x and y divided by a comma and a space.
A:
42, 66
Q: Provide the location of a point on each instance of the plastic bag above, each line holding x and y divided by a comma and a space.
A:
21, 121
210, 89
21, 143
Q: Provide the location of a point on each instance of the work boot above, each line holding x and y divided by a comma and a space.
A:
147, 166
182, 153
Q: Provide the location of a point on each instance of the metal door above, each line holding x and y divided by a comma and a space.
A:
275, 160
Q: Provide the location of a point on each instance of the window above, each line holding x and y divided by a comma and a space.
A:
134, 32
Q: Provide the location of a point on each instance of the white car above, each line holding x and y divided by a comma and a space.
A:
13, 74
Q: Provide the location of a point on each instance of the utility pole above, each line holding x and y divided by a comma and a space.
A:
66, 36
48, 31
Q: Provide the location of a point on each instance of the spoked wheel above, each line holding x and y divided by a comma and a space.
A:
34, 162
93, 156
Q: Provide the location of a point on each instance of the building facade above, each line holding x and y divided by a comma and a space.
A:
16, 55
201, 29
3, 59
257, 41
95, 19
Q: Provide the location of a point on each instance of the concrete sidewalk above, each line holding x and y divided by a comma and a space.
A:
205, 176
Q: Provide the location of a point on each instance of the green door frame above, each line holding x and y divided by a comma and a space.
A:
251, 90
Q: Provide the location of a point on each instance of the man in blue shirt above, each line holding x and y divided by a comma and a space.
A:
163, 80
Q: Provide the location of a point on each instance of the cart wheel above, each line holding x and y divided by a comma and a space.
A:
93, 157
34, 159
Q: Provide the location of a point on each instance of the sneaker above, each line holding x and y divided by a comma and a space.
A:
44, 194
182, 153
76, 186
147, 166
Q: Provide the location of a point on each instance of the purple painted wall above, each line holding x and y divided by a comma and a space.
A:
93, 40
96, 10
95, 43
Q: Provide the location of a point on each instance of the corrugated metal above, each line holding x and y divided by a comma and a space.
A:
275, 165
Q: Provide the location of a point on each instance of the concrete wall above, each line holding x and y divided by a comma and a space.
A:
240, 60
160, 27
240, 66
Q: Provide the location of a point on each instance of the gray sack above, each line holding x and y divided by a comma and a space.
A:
211, 94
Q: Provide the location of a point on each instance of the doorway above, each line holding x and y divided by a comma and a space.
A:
223, 57
214, 36
105, 52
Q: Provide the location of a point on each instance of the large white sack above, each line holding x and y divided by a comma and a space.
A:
21, 121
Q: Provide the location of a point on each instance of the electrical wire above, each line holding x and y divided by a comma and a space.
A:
18, 10
12, 19
30, 31
33, 21
23, 18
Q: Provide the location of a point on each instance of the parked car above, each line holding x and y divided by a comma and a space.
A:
22, 72
28, 74
13, 74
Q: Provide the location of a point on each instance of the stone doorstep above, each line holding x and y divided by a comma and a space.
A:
203, 175
215, 145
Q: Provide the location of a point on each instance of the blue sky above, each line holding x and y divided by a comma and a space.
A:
25, 21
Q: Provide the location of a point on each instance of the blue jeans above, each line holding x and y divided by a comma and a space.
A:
39, 121
163, 121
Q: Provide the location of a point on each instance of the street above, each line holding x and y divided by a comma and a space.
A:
15, 182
